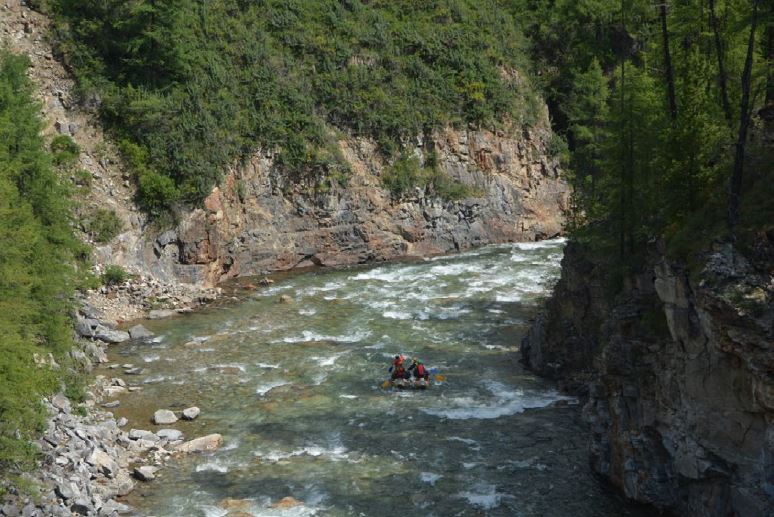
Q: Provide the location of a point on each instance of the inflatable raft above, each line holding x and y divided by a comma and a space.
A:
409, 384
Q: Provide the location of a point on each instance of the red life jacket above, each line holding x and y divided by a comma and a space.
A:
421, 372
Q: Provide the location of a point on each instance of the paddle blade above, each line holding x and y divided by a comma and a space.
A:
385, 385
440, 378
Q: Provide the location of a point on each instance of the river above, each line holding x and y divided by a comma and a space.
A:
295, 389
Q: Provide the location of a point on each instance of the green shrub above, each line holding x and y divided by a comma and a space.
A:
36, 272
406, 174
403, 175
114, 275
103, 225
83, 178
277, 75
64, 150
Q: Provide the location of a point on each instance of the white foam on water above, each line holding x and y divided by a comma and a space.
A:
505, 402
307, 312
397, 315
213, 511
206, 350
538, 245
150, 358
467, 441
309, 336
213, 466
238, 366
155, 379
231, 444
263, 389
347, 396
337, 453
509, 297
327, 361
485, 497
267, 366
264, 509
429, 477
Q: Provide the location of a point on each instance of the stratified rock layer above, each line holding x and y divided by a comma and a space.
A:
256, 222
678, 371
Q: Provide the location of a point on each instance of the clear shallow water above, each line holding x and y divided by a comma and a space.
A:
295, 390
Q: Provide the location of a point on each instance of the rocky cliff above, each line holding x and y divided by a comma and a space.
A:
678, 371
250, 224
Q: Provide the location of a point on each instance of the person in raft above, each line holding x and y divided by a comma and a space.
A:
418, 369
397, 369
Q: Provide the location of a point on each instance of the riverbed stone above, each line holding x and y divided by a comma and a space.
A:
158, 314
140, 332
164, 417
191, 413
287, 502
145, 473
102, 462
205, 443
170, 434
141, 434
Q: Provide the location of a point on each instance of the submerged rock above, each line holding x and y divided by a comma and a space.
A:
285, 299
140, 332
287, 502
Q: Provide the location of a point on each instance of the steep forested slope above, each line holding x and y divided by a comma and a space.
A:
36, 269
661, 106
189, 86
663, 316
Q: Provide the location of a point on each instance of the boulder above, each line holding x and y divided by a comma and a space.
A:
140, 434
94, 329
122, 422
191, 413
146, 473
140, 332
285, 299
170, 434
102, 462
82, 506
164, 417
61, 402
205, 443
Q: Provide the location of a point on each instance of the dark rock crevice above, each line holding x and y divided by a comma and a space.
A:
677, 373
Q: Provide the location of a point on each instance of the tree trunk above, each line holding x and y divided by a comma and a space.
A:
670, 77
722, 78
735, 189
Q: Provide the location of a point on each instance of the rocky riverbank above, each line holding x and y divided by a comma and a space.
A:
676, 368
89, 460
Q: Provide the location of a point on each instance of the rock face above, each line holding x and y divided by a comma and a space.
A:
678, 372
254, 222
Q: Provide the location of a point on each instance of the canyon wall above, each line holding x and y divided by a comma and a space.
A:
250, 225
678, 374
